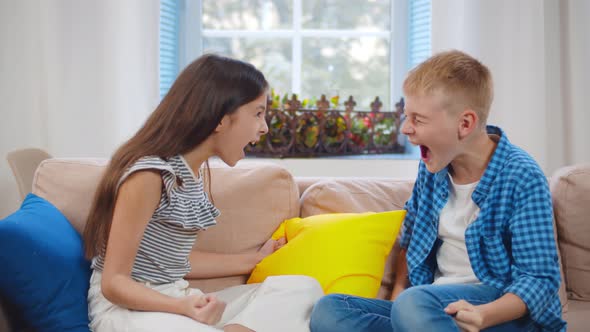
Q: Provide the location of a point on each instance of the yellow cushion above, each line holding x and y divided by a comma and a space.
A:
345, 252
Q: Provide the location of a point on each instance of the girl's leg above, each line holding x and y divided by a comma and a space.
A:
159, 321
236, 328
281, 303
421, 308
343, 313
108, 317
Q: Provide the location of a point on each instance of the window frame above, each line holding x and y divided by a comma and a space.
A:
403, 53
192, 33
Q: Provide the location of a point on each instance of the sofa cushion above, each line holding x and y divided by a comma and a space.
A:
338, 195
69, 184
344, 252
253, 197
355, 195
577, 316
570, 189
44, 275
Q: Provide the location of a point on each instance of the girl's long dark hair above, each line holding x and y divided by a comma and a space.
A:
206, 90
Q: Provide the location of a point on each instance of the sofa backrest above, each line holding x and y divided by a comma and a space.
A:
365, 194
262, 196
253, 198
570, 189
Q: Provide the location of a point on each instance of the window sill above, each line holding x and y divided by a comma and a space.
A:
413, 153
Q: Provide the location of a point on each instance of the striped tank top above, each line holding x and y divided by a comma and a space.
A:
183, 211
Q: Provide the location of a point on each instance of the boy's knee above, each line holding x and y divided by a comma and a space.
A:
412, 306
324, 316
416, 296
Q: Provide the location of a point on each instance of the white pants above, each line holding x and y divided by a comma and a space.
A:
281, 303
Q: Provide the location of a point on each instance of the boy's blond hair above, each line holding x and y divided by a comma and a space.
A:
461, 79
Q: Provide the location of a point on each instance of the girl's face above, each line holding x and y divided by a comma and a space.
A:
239, 129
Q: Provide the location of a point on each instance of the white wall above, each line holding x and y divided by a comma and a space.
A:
22, 116
538, 53
576, 47
78, 77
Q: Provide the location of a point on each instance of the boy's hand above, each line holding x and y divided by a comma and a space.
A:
206, 309
270, 246
467, 316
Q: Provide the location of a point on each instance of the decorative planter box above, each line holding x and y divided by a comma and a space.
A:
294, 131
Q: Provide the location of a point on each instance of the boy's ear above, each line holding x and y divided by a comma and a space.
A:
467, 123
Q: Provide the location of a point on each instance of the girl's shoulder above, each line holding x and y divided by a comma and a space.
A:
152, 163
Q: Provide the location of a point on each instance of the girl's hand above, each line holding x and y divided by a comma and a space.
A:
270, 246
468, 317
206, 309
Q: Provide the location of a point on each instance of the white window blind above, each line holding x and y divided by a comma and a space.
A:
419, 32
169, 34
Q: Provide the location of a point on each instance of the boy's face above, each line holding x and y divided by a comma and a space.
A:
433, 127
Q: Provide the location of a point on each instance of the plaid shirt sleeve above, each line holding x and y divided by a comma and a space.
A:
411, 208
535, 270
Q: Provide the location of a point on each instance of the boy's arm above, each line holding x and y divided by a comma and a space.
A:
401, 281
468, 316
401, 275
535, 267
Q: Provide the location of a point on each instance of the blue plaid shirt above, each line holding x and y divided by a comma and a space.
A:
510, 245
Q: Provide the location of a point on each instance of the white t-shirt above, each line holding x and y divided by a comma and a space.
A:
452, 259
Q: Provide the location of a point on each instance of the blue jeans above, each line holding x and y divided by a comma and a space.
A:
419, 308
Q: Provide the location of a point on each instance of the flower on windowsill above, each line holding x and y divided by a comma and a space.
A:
335, 101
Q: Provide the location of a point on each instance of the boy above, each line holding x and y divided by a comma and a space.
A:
477, 242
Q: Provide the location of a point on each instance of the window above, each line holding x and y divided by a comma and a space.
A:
169, 35
419, 34
362, 48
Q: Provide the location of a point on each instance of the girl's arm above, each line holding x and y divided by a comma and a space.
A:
137, 199
211, 265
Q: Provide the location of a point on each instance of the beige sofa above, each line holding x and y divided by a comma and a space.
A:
255, 198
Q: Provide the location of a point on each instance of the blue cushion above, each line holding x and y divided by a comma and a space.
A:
44, 273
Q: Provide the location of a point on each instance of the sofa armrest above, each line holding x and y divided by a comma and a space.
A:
570, 189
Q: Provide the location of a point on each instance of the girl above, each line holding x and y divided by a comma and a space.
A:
150, 205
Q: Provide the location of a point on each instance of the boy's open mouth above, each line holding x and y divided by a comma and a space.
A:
424, 152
